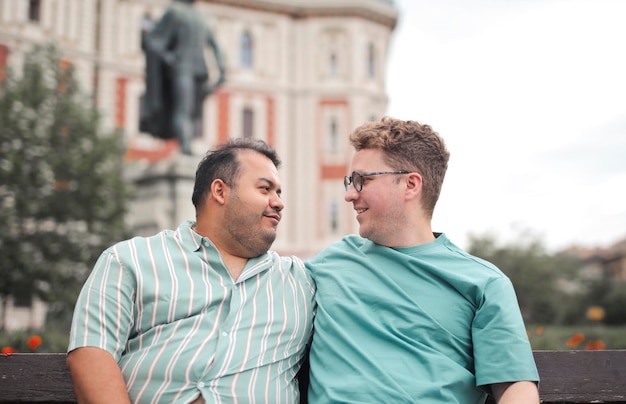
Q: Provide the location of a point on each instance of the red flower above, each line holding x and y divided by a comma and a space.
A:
575, 340
595, 345
7, 350
33, 342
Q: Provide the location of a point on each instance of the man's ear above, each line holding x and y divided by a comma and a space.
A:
219, 191
413, 185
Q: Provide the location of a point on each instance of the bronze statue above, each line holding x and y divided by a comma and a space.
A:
177, 77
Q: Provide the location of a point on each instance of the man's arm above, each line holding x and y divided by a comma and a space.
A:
515, 393
219, 58
96, 376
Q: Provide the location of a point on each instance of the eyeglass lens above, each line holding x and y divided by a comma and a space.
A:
355, 179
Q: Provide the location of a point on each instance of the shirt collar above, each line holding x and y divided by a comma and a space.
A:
188, 236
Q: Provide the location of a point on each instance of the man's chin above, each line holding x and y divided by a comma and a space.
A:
370, 235
363, 232
268, 239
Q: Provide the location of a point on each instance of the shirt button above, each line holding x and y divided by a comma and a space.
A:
200, 385
224, 334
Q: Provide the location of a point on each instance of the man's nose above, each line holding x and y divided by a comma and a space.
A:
277, 203
350, 194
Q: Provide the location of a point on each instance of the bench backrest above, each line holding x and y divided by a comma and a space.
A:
566, 377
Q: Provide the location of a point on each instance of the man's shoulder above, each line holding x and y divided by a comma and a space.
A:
466, 262
351, 241
135, 241
346, 246
290, 260
293, 265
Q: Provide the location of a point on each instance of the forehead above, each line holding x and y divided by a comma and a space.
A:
365, 160
256, 164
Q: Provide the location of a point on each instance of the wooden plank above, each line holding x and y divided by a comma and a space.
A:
582, 376
35, 378
566, 377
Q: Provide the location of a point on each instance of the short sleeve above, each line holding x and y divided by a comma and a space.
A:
103, 313
502, 351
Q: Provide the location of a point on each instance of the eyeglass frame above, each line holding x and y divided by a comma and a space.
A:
349, 179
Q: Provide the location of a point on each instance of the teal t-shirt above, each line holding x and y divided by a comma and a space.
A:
422, 324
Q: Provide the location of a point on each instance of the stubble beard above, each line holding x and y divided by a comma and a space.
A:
381, 230
245, 229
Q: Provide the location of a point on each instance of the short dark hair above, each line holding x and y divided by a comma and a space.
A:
222, 163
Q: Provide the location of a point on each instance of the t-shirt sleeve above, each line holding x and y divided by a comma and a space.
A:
103, 312
502, 352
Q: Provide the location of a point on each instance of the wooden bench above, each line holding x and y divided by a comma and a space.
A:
566, 377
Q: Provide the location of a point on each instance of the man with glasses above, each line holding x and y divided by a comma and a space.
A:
404, 315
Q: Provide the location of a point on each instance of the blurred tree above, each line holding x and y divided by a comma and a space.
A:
535, 274
62, 195
611, 296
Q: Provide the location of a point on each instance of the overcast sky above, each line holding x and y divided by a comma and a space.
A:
530, 97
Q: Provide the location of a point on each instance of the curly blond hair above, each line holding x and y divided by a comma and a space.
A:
408, 145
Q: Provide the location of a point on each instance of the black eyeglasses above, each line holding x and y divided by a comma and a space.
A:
356, 179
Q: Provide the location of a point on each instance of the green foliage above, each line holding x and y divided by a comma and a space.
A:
614, 302
535, 274
62, 196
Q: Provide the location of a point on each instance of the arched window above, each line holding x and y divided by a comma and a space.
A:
371, 60
246, 50
247, 116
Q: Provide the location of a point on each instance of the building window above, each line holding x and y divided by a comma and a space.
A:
332, 64
34, 10
248, 123
246, 50
334, 217
333, 136
371, 60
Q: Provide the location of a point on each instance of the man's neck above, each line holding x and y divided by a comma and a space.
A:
235, 265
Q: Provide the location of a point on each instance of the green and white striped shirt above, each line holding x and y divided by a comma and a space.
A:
169, 312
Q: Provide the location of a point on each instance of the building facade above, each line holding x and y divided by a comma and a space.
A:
301, 74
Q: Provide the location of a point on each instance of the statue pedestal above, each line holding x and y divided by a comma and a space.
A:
163, 190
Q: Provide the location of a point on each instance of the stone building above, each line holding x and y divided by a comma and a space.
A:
301, 74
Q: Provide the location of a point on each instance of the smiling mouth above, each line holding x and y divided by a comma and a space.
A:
274, 217
359, 211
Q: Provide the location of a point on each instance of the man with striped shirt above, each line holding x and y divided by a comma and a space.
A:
205, 313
